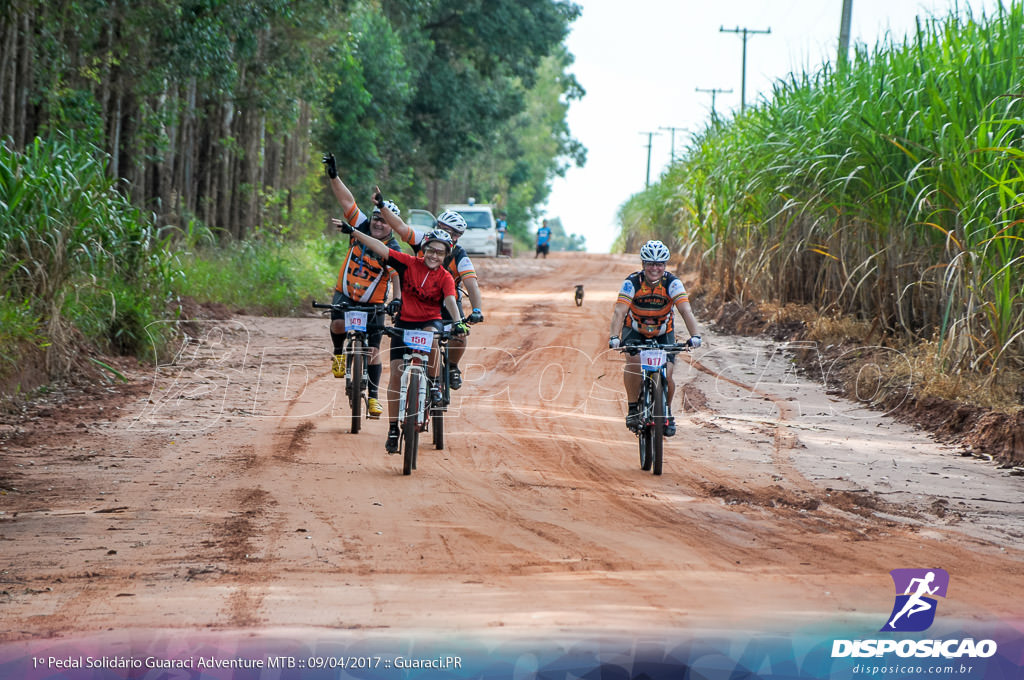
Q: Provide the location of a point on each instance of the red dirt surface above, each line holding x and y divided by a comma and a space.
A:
223, 491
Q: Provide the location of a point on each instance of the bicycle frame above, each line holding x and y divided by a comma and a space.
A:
413, 403
653, 399
357, 354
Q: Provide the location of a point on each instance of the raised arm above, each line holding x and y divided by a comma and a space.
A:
397, 224
341, 192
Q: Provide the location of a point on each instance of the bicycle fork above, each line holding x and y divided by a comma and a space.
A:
414, 364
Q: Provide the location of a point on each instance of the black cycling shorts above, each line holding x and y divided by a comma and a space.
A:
398, 347
374, 322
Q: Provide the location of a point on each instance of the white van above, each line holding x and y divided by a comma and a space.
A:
481, 236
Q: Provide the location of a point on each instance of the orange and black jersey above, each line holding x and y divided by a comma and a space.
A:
651, 305
364, 275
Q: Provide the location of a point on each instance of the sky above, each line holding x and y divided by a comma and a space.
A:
641, 63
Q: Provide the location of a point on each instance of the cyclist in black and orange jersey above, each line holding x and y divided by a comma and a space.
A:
460, 267
644, 309
363, 279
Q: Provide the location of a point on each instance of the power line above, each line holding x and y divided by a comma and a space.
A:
713, 91
844, 35
650, 136
743, 82
673, 129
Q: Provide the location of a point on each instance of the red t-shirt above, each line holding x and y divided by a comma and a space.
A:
423, 289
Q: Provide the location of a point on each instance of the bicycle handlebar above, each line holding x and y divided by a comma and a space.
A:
346, 307
637, 347
442, 336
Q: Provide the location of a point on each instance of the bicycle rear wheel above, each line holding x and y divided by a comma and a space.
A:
410, 432
658, 426
437, 410
355, 368
645, 454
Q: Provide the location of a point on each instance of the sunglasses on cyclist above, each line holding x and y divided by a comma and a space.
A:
440, 252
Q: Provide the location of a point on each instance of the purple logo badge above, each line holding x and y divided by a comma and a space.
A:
914, 609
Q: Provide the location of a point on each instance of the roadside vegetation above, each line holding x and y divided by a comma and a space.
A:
886, 197
160, 154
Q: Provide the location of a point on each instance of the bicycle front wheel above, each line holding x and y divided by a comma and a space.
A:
658, 426
355, 368
437, 424
410, 431
643, 431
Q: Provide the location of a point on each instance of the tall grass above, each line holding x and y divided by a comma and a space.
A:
266, 276
68, 239
892, 190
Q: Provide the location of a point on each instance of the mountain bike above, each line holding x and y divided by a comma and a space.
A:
653, 400
357, 354
415, 407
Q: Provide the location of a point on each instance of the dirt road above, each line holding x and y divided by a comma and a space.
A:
225, 492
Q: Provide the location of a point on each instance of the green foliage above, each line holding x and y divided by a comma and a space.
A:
515, 171
891, 190
64, 230
444, 90
20, 325
264, 276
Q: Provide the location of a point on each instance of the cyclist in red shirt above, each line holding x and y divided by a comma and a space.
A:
461, 268
426, 286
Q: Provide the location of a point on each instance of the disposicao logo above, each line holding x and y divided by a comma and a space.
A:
914, 609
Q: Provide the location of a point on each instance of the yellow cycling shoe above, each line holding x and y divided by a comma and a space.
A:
338, 366
373, 408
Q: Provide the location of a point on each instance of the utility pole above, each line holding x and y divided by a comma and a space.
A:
844, 36
673, 129
743, 82
713, 91
650, 136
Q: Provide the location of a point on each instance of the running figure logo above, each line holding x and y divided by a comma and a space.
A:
914, 609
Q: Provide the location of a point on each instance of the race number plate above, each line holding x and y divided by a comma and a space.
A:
418, 340
652, 359
355, 321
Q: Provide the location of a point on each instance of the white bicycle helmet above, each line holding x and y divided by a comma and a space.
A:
441, 236
390, 205
453, 221
654, 251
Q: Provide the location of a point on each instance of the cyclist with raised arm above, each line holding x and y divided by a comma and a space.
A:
363, 279
460, 267
644, 309
426, 286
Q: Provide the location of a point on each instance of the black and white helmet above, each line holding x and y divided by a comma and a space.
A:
441, 236
453, 221
654, 251
390, 205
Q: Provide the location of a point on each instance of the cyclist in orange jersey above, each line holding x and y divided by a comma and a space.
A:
644, 309
364, 279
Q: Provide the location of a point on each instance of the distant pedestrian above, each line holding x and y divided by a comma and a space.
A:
502, 226
543, 240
